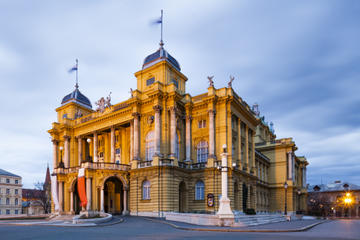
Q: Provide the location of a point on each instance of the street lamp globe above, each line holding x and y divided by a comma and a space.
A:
285, 185
61, 148
88, 140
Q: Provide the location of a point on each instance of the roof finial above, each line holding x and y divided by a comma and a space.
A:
161, 22
75, 68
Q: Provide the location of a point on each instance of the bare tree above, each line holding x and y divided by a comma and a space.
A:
43, 195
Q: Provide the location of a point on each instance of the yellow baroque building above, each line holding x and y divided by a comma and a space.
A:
159, 151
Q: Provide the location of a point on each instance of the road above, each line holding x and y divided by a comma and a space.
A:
139, 228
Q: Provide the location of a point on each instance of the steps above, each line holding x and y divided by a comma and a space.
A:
253, 220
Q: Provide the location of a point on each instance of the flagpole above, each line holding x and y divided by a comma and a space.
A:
162, 25
77, 70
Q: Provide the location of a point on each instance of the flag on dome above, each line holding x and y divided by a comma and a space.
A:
74, 68
158, 20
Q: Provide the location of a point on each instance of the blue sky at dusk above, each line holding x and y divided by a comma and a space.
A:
299, 60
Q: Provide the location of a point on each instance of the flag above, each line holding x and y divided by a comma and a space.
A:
74, 68
157, 21
81, 187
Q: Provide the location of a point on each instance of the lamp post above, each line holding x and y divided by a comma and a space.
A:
285, 187
299, 193
61, 164
88, 150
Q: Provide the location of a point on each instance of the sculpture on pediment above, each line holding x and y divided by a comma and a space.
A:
230, 82
108, 100
211, 81
101, 105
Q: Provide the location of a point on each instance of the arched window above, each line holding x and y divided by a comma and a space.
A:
146, 190
202, 151
177, 146
199, 190
149, 146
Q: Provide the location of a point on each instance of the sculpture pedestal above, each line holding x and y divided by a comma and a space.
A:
224, 209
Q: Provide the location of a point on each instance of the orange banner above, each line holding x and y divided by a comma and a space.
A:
82, 191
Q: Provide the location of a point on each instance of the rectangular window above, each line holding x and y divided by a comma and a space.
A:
7, 211
202, 124
7, 180
150, 81
7, 191
101, 154
16, 191
175, 82
16, 211
16, 201
16, 181
117, 151
7, 201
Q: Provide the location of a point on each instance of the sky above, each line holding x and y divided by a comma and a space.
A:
299, 60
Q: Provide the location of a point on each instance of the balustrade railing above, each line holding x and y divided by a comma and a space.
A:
144, 164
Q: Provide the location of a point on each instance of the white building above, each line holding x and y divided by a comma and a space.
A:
10, 193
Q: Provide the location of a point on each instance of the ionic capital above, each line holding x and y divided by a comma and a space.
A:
212, 111
54, 141
67, 138
135, 114
157, 108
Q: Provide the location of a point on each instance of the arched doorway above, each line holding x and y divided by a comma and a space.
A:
76, 198
236, 196
182, 197
244, 196
113, 196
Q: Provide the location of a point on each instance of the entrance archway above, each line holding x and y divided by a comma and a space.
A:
76, 198
182, 197
113, 196
244, 196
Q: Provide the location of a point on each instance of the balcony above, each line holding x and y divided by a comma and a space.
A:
166, 162
144, 164
93, 165
105, 165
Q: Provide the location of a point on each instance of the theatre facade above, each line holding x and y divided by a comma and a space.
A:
160, 150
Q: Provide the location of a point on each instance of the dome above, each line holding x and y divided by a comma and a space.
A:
159, 56
77, 97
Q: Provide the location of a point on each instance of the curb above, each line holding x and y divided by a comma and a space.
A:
121, 220
236, 230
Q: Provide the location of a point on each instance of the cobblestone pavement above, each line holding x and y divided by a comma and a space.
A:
140, 228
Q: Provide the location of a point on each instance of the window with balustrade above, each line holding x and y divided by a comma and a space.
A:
199, 190
202, 151
146, 190
149, 146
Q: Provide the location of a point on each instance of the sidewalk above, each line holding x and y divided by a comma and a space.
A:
292, 226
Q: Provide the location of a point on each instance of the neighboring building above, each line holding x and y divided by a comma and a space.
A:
159, 151
334, 199
10, 193
37, 201
32, 202
279, 166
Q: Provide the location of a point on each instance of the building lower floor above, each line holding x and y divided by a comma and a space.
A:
150, 191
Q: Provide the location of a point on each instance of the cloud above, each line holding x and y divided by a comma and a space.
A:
298, 60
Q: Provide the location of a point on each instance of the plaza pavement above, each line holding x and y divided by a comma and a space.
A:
142, 228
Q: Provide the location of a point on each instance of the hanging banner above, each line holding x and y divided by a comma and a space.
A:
81, 187
54, 192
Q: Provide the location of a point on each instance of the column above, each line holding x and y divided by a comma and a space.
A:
72, 202
172, 131
125, 212
211, 134
131, 140
247, 162
79, 150
253, 148
188, 138
224, 207
136, 135
88, 193
102, 200
67, 152
55, 149
95, 147
61, 196
112, 144
157, 109
289, 165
